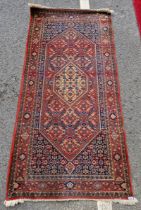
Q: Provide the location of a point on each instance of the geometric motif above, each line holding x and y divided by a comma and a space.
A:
70, 83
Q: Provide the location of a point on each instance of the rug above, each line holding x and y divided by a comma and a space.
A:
137, 6
69, 142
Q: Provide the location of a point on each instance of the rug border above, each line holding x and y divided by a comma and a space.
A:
121, 109
18, 109
18, 104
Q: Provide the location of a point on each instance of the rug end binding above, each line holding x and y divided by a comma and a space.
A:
107, 10
100, 203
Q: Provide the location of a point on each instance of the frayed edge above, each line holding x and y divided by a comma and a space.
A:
104, 205
107, 10
31, 5
107, 205
13, 202
130, 201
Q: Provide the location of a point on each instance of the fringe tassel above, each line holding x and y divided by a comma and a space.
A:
102, 204
31, 5
130, 201
13, 202
84, 4
107, 10
107, 205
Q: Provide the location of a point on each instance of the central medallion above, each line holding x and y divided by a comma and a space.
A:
69, 117
70, 83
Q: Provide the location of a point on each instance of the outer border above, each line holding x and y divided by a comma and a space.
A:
18, 104
120, 105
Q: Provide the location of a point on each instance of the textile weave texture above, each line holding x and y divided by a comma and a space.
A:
137, 7
69, 141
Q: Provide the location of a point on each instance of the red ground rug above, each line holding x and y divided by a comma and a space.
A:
69, 141
137, 6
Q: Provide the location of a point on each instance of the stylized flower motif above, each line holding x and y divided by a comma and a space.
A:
70, 185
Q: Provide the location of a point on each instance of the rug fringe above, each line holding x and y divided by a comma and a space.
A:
107, 10
130, 201
107, 205
37, 6
13, 202
102, 204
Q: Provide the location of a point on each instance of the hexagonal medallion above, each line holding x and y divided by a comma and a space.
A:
70, 83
